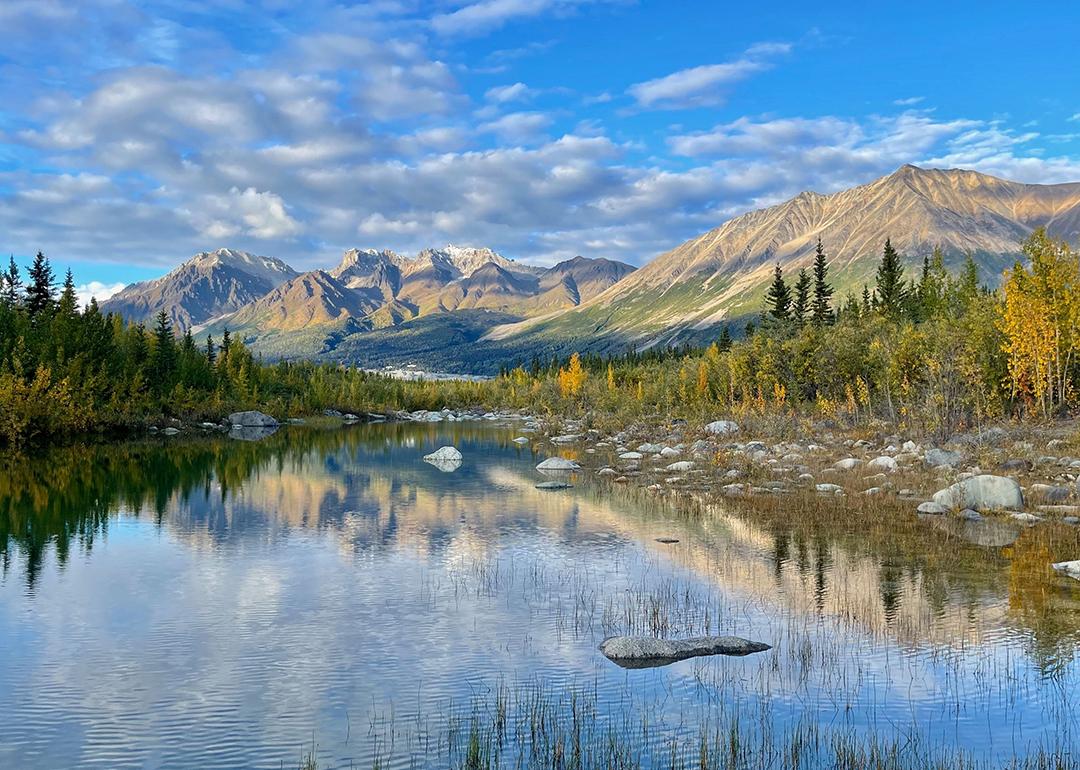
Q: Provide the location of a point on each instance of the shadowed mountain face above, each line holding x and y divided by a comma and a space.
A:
208, 285
723, 273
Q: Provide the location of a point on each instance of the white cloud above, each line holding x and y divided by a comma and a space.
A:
706, 85
487, 15
510, 93
247, 212
96, 290
910, 101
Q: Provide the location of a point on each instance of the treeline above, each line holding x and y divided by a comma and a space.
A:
934, 352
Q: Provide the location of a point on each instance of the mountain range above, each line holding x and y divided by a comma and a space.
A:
472, 309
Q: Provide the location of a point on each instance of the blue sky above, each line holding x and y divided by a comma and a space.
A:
134, 134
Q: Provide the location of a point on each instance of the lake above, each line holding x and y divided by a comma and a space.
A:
202, 602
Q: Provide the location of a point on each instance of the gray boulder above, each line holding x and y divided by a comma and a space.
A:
982, 493
722, 427
557, 464
252, 419
942, 458
932, 508
646, 652
1070, 568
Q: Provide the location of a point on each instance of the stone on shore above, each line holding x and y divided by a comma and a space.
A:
1070, 568
883, 463
722, 427
931, 507
941, 458
647, 652
252, 419
982, 493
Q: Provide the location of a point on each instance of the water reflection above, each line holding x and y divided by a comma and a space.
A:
260, 590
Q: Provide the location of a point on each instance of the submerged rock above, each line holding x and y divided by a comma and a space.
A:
982, 493
646, 652
554, 485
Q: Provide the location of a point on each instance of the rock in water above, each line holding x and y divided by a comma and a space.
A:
444, 454
251, 432
252, 419
554, 485
982, 493
1070, 568
646, 652
557, 464
722, 427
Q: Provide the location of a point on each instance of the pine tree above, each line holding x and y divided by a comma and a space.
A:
226, 342
211, 355
890, 291
821, 310
11, 284
724, 342
164, 354
778, 297
801, 304
867, 305
68, 307
40, 292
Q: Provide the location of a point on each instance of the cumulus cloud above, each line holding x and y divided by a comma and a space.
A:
244, 212
706, 85
96, 290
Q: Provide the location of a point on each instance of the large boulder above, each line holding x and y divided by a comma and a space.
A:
883, 463
646, 652
722, 427
252, 419
446, 453
982, 493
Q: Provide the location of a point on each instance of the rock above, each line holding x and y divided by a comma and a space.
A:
1026, 518
847, 464
680, 467
607, 472
252, 419
1015, 465
650, 449
982, 493
942, 458
1070, 568
969, 515
630, 456
646, 652
931, 507
170, 431
830, 489
667, 540
909, 446
669, 452
522, 440
557, 464
722, 427
872, 491
332, 413
1050, 493
883, 463
554, 485
446, 453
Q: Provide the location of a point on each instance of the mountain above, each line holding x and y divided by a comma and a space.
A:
722, 274
208, 285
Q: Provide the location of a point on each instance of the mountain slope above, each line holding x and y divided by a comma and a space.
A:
310, 300
206, 286
723, 273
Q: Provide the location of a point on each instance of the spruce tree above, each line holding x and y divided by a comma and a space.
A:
821, 310
226, 341
211, 355
867, 305
723, 344
890, 290
778, 297
40, 292
68, 306
164, 354
11, 284
800, 306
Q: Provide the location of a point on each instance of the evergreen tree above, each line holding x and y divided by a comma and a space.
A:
40, 292
778, 297
867, 305
800, 306
164, 354
226, 342
724, 342
10, 284
890, 291
821, 310
68, 306
211, 355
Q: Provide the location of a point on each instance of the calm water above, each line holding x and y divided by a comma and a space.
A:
213, 603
